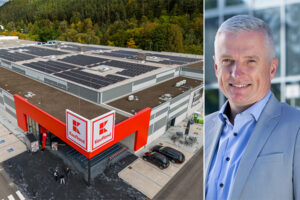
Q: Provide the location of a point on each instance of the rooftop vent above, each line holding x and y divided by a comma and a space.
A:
133, 98
130, 98
29, 94
180, 83
165, 97
141, 56
80, 48
104, 68
58, 45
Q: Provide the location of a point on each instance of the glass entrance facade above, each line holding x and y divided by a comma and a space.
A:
33, 127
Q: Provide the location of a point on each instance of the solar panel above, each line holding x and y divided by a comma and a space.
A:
40, 51
83, 60
14, 57
72, 47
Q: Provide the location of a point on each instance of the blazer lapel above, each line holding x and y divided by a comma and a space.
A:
212, 133
262, 131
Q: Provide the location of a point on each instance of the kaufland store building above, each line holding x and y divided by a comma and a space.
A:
92, 97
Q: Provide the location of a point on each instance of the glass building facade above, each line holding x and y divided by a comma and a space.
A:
282, 16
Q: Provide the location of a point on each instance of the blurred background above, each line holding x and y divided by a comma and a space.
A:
282, 16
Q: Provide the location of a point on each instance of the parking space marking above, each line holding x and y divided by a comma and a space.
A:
140, 182
144, 175
21, 197
151, 172
11, 197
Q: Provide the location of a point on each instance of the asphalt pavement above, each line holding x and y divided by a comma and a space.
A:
187, 184
8, 189
33, 176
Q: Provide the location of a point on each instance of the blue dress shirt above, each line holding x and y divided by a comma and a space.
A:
232, 143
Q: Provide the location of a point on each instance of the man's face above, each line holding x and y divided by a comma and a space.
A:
242, 67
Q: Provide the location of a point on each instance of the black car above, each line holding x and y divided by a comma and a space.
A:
156, 158
172, 154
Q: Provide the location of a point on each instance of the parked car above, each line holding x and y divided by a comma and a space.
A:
173, 154
156, 158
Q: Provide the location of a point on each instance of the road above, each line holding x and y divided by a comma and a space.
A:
187, 183
8, 190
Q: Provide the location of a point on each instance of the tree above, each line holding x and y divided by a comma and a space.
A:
175, 38
131, 43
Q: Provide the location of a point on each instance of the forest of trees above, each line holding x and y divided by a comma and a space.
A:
159, 25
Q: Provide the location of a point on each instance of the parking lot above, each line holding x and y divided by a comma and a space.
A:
148, 178
10, 145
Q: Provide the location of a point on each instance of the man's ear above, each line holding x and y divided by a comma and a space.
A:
215, 66
273, 67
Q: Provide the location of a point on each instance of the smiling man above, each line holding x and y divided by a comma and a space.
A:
252, 145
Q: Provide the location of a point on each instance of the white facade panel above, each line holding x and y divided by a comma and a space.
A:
143, 85
179, 102
157, 119
172, 114
156, 134
165, 73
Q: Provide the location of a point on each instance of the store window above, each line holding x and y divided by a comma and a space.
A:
272, 17
293, 94
210, 4
236, 2
211, 101
231, 15
292, 39
211, 26
275, 88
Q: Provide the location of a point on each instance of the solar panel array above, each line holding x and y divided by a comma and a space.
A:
171, 60
41, 51
70, 67
49, 67
88, 79
75, 48
83, 60
176, 58
118, 55
14, 57
131, 69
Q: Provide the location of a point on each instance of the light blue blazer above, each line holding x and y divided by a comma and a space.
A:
270, 165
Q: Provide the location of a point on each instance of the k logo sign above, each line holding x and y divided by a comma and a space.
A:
77, 129
75, 126
103, 128
90, 134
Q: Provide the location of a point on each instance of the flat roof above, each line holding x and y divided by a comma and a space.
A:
150, 97
53, 101
94, 66
198, 65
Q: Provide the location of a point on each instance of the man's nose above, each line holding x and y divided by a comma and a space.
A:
237, 69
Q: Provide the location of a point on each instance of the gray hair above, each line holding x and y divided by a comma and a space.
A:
247, 23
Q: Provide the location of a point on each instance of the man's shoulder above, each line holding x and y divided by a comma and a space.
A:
287, 109
290, 112
211, 116
211, 119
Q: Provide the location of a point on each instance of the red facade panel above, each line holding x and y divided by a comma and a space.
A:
138, 124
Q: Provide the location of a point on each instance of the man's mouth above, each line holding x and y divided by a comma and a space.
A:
239, 85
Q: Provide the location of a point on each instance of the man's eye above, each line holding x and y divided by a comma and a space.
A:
252, 61
226, 61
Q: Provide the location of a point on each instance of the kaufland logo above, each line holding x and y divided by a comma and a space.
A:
90, 134
75, 126
77, 129
103, 130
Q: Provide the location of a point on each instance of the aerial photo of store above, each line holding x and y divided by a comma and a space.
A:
96, 100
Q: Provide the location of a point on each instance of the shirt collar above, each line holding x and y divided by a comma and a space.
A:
255, 110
